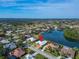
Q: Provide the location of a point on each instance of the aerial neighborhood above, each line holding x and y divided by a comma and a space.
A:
33, 40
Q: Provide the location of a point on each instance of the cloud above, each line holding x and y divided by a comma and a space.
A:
41, 8
20, 2
6, 0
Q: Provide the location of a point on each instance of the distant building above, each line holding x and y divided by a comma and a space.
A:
8, 33
27, 36
1, 38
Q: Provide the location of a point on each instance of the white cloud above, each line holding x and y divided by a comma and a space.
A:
7, 0
69, 9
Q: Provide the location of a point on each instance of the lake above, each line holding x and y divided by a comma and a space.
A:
58, 37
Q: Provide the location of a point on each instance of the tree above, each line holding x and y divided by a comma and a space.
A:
71, 34
1, 49
77, 56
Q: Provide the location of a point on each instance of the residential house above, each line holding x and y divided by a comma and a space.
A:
31, 39
52, 45
11, 45
68, 52
18, 52
40, 43
4, 41
28, 56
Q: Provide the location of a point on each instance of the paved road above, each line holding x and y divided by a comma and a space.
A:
43, 53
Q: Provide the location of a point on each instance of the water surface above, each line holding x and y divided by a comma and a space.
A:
58, 37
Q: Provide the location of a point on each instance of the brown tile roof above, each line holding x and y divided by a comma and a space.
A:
68, 52
18, 52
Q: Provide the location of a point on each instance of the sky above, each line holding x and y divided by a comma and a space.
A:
39, 8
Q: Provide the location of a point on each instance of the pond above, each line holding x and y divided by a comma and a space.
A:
58, 37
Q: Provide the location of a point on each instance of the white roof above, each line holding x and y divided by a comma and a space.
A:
28, 56
24, 41
66, 47
4, 41
59, 57
68, 58
41, 42
31, 38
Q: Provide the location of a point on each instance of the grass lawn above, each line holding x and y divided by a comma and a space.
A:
27, 50
39, 56
2, 57
53, 52
77, 56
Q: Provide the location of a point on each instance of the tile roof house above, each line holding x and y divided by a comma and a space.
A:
52, 45
67, 52
18, 52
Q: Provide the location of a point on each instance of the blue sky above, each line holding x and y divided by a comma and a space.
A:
39, 8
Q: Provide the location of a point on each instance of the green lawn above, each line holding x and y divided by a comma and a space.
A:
77, 56
27, 50
39, 56
2, 57
53, 52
